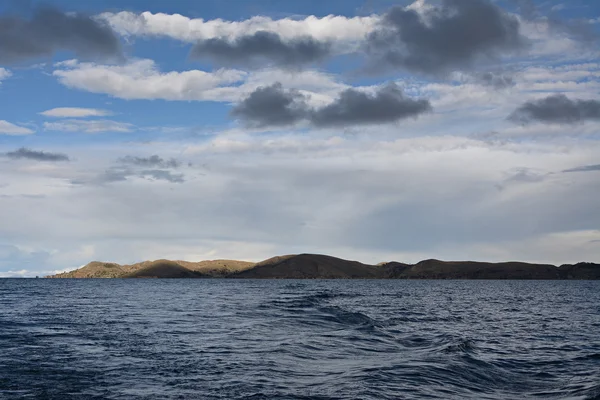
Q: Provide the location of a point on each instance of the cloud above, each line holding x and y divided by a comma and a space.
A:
153, 168
15, 274
263, 48
50, 30
152, 161
8, 128
89, 126
162, 175
25, 153
556, 109
176, 26
110, 175
562, 73
75, 112
496, 80
140, 79
4, 73
438, 40
497, 33
522, 175
275, 106
585, 168
353, 107
578, 29
122, 174
272, 106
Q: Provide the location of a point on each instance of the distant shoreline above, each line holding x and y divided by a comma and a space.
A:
316, 266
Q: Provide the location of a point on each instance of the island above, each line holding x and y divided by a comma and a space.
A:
317, 266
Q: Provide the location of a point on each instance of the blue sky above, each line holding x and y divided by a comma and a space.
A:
373, 130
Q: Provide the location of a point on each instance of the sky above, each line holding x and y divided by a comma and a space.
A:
372, 130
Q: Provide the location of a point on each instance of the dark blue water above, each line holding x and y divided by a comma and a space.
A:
230, 339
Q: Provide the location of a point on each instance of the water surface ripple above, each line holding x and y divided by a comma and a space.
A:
287, 339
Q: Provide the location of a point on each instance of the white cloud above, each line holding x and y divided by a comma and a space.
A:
4, 73
141, 79
88, 126
571, 72
75, 112
15, 274
176, 26
7, 128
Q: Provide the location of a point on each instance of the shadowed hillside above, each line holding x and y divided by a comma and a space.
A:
164, 269
316, 266
436, 269
309, 266
580, 271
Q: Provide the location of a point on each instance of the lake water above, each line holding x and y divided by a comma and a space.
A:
278, 339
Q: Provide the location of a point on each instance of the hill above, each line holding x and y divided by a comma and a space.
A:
436, 269
205, 269
95, 269
317, 266
309, 266
164, 269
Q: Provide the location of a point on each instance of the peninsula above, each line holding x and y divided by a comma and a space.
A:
316, 266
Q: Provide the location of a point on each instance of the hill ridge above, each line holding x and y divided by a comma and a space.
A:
320, 266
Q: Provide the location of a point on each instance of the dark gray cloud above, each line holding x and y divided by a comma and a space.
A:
25, 153
50, 30
584, 168
263, 48
452, 36
495, 79
275, 106
556, 109
353, 107
271, 106
150, 162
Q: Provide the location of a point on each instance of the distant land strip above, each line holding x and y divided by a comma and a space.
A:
316, 266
